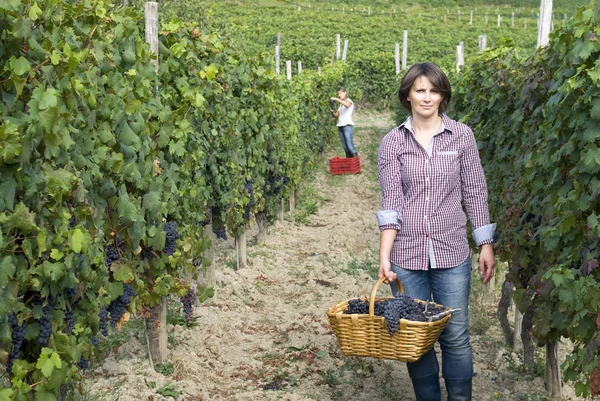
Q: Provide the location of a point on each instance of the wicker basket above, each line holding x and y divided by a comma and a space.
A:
367, 335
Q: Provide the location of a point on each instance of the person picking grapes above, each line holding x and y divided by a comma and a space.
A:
345, 124
429, 167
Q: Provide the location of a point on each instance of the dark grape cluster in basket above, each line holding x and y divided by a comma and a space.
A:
393, 309
361, 307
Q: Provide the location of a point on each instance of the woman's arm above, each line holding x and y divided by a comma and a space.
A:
345, 102
390, 216
475, 197
386, 241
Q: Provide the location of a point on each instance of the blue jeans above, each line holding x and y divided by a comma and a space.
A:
449, 287
346, 136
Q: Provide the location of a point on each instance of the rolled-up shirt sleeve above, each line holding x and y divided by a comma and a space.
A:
390, 215
475, 193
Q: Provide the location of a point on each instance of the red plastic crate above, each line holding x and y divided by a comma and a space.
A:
344, 165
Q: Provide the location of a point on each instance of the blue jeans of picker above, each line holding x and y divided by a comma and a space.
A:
449, 287
347, 137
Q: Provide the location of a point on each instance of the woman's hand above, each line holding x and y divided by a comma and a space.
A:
385, 270
486, 263
331, 99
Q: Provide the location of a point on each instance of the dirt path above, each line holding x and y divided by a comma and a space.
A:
265, 335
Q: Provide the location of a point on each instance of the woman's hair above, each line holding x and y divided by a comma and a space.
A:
341, 88
438, 79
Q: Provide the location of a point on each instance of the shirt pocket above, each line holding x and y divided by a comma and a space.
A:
448, 166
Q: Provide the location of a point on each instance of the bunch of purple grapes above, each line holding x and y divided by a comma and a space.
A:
18, 335
220, 232
45, 323
172, 235
361, 307
118, 307
188, 301
83, 363
103, 315
112, 254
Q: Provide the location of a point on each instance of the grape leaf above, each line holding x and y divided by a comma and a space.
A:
78, 241
47, 361
123, 273
6, 394
7, 270
19, 65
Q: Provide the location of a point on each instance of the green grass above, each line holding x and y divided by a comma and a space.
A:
369, 264
308, 202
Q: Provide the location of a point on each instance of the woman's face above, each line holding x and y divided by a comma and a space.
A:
424, 98
342, 95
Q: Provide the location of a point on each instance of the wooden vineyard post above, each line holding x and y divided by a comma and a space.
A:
486, 18
397, 58
512, 20
292, 201
261, 221
209, 278
277, 59
299, 67
156, 332
545, 21
471, 19
458, 15
241, 247
288, 69
337, 46
499, 19
460, 57
517, 343
345, 53
482, 43
404, 49
156, 320
554, 382
282, 210
319, 70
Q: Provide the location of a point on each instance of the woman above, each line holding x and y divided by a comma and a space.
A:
428, 166
345, 124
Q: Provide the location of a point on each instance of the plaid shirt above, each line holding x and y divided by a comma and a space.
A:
423, 191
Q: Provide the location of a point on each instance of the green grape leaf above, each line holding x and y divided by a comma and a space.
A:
11, 143
595, 112
21, 219
56, 254
7, 270
6, 394
79, 241
127, 209
123, 273
49, 99
8, 189
10, 5
207, 292
44, 394
54, 271
47, 361
34, 11
19, 65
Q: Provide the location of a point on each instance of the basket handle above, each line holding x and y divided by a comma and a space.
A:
374, 292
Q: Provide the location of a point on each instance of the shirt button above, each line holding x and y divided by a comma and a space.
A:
425, 217
427, 198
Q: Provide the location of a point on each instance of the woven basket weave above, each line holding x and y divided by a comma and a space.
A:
367, 335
